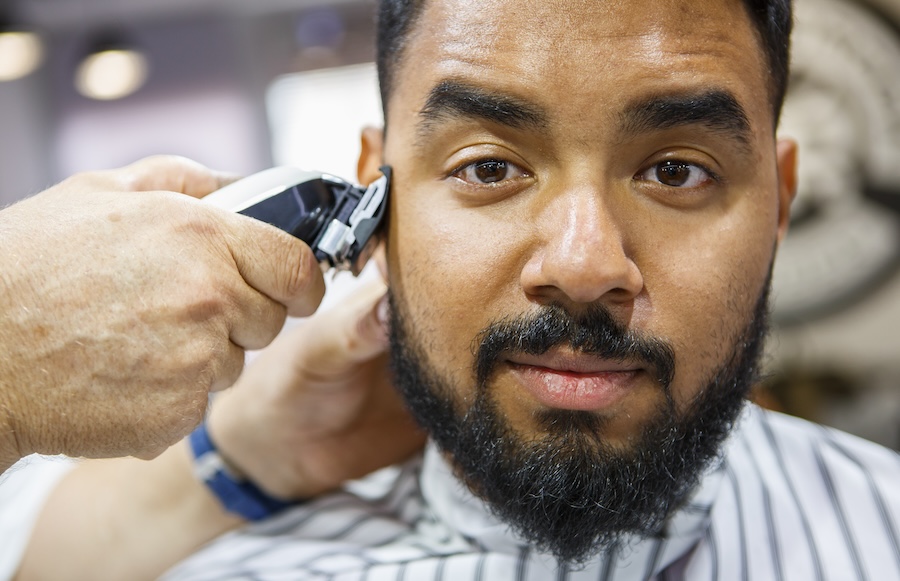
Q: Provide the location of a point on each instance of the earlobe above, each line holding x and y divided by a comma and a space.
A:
371, 155
786, 152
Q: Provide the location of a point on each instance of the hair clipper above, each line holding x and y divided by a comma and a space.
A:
336, 218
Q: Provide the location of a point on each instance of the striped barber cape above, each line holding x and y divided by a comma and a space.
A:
790, 501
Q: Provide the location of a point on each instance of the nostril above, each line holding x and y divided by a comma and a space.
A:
581, 279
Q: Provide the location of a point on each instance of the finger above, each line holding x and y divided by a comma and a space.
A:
350, 333
276, 264
171, 173
259, 319
231, 368
368, 336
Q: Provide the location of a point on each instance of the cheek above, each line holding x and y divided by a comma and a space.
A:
703, 283
454, 270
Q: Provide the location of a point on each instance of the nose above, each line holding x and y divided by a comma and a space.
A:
581, 256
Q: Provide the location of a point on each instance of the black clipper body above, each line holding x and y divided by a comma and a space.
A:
337, 219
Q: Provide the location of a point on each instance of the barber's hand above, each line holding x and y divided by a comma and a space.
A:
123, 302
317, 407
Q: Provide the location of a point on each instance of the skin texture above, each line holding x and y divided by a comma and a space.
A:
125, 302
580, 220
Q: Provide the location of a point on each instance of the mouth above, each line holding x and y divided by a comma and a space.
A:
574, 381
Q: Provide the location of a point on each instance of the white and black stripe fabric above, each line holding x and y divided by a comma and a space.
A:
790, 501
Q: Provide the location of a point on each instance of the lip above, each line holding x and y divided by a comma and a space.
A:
572, 381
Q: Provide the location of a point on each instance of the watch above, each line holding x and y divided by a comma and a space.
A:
236, 493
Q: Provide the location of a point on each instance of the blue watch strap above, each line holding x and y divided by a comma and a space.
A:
238, 495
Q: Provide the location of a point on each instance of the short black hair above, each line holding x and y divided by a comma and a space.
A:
772, 18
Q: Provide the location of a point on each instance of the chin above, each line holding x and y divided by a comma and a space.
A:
572, 486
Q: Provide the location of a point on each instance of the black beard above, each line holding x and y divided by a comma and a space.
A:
570, 493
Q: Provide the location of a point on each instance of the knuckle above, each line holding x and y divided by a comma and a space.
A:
298, 275
206, 302
204, 293
96, 179
229, 369
192, 217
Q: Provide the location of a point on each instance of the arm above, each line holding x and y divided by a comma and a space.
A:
24, 490
123, 518
323, 395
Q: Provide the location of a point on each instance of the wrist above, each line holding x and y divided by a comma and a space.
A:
236, 493
270, 458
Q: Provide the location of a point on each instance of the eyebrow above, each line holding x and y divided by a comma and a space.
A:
717, 110
457, 100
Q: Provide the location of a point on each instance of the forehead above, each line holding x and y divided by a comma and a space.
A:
585, 57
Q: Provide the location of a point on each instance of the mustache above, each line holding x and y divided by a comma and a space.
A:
593, 332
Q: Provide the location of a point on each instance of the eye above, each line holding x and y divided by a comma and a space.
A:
676, 174
488, 172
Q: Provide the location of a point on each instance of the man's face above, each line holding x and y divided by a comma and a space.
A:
581, 158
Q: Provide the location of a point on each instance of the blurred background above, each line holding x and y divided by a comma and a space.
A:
243, 85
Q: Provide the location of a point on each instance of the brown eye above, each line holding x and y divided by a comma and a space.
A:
489, 172
492, 171
676, 174
673, 174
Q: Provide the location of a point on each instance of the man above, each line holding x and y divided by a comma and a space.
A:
587, 201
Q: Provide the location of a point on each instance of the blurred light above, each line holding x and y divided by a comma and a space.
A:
21, 52
111, 74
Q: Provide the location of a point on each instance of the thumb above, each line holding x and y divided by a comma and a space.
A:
336, 341
172, 173
275, 263
365, 333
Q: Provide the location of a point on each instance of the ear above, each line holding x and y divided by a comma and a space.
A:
371, 155
371, 158
786, 152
